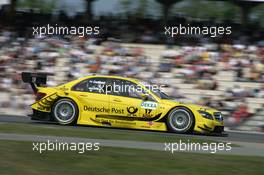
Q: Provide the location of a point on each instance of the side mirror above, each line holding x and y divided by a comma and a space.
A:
144, 96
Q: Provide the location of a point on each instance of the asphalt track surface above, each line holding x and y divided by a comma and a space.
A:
250, 144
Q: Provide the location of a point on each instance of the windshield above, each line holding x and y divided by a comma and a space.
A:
160, 94
155, 90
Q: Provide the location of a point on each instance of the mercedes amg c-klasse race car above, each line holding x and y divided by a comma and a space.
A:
113, 101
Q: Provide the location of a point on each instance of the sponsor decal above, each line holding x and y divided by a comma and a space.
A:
96, 109
147, 113
96, 85
97, 82
150, 123
149, 105
103, 122
92, 89
117, 111
132, 110
103, 110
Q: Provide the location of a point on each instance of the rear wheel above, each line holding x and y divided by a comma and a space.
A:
180, 120
65, 112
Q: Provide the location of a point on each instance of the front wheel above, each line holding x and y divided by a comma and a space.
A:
180, 120
65, 112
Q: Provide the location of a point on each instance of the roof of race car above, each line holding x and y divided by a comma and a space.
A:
109, 76
104, 76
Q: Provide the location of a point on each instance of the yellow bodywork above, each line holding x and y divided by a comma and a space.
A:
121, 112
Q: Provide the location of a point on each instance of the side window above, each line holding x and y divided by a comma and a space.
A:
124, 88
80, 86
93, 85
96, 85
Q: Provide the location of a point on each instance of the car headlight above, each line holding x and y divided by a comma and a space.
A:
218, 116
206, 114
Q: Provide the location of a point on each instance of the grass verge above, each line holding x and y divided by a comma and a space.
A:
18, 158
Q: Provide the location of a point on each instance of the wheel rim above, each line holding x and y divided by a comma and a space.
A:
180, 120
64, 111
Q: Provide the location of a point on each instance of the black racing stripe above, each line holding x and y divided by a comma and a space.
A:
120, 117
40, 103
45, 99
46, 102
95, 121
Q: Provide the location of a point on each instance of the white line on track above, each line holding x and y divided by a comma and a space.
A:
245, 149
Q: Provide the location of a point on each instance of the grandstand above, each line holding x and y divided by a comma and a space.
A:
145, 59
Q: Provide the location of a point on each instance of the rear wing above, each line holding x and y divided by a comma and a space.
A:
35, 79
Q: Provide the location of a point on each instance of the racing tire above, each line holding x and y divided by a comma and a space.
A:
180, 120
65, 112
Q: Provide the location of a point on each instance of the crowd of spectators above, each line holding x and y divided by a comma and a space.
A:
201, 64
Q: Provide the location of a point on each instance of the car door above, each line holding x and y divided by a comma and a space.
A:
126, 102
93, 98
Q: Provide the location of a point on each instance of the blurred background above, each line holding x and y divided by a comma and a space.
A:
225, 72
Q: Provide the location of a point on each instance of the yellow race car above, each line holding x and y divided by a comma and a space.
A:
113, 101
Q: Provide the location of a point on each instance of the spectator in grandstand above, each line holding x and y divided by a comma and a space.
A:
260, 92
241, 113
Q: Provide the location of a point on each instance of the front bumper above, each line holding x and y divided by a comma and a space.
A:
209, 126
215, 129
